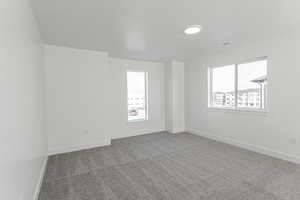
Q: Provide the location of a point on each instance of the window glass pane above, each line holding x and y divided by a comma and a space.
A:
252, 82
223, 94
136, 96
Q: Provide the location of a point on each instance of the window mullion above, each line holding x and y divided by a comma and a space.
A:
210, 87
236, 85
146, 96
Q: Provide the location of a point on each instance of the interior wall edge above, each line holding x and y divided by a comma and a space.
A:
40, 180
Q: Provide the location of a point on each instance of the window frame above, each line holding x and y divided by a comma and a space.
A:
235, 107
146, 96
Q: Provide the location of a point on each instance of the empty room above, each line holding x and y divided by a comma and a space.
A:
149, 100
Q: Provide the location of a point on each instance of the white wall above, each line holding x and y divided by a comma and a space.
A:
156, 97
77, 104
169, 96
86, 98
275, 132
175, 114
22, 140
178, 97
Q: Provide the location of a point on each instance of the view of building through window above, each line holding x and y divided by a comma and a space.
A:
252, 80
223, 86
137, 95
247, 82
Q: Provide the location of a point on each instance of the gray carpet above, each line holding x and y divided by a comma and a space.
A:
164, 166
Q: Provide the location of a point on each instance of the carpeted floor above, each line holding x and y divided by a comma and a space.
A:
164, 166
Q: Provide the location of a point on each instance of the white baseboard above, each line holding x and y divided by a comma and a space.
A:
106, 142
40, 181
78, 147
143, 132
174, 131
178, 131
251, 147
140, 132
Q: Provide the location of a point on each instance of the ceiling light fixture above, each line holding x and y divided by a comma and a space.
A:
193, 29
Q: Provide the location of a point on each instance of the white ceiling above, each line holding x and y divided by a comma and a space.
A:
153, 29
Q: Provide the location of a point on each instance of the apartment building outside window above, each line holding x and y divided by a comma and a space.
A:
239, 86
137, 101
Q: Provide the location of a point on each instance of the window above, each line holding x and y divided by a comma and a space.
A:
240, 86
137, 96
223, 86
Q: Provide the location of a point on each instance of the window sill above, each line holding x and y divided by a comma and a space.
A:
133, 122
246, 111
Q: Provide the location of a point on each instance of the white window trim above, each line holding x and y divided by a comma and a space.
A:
130, 122
236, 108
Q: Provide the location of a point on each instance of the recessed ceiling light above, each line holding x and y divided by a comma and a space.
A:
192, 29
